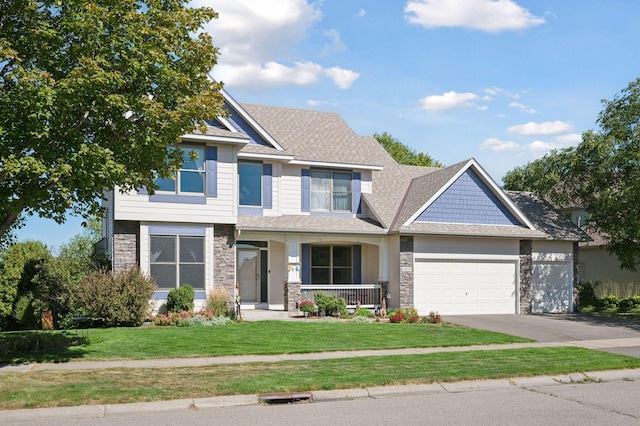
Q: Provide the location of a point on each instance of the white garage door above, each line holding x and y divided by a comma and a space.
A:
465, 287
552, 282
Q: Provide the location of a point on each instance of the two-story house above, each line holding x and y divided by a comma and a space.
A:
279, 203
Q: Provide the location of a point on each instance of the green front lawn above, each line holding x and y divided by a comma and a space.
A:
263, 337
66, 388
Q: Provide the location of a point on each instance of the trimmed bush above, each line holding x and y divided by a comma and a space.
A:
330, 304
180, 299
608, 303
115, 301
629, 304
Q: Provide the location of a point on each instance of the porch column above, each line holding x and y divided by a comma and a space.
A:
406, 271
224, 267
292, 290
383, 260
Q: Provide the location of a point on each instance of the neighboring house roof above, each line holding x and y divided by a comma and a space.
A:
312, 224
546, 218
316, 135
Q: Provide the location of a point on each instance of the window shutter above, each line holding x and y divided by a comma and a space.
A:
306, 263
267, 186
357, 208
357, 264
211, 170
306, 190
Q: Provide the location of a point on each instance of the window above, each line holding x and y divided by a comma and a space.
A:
330, 191
331, 265
177, 260
250, 184
191, 176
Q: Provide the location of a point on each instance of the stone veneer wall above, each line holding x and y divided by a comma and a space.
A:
526, 276
576, 277
292, 296
224, 264
406, 272
126, 246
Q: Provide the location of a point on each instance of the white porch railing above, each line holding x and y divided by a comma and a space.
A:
367, 295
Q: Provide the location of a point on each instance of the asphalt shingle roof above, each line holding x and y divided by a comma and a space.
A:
314, 224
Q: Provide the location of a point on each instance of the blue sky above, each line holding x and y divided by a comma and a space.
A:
503, 81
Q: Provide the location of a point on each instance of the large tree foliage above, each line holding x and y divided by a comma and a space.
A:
403, 154
601, 174
91, 94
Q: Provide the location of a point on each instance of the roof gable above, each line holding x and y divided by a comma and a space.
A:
463, 186
468, 200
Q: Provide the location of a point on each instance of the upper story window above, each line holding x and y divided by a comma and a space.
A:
330, 191
250, 184
190, 179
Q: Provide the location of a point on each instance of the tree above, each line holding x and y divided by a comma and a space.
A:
91, 95
601, 174
19, 264
403, 154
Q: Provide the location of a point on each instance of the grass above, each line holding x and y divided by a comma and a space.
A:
260, 338
67, 388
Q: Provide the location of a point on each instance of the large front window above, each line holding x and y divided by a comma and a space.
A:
330, 191
177, 260
191, 176
250, 184
331, 265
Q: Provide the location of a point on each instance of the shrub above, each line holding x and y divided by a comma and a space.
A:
115, 301
217, 301
433, 318
307, 306
180, 299
586, 294
363, 312
629, 304
397, 317
608, 302
330, 304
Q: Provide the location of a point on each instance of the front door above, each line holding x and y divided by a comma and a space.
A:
249, 275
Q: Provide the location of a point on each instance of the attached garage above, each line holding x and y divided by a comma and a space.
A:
552, 286
465, 286
454, 276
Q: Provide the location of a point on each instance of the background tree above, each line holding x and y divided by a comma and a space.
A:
91, 94
403, 154
601, 174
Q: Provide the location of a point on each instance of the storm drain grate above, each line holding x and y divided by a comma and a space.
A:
286, 398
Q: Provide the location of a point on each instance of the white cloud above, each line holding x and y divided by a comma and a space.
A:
494, 91
361, 13
336, 45
448, 100
523, 107
571, 139
541, 129
486, 15
341, 77
539, 148
497, 145
258, 40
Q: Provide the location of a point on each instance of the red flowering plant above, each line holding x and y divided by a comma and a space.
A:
307, 306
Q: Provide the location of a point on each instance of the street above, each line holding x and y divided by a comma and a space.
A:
591, 403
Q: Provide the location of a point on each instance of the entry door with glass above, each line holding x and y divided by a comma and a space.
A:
252, 274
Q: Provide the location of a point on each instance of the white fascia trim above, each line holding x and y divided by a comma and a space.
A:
253, 123
285, 158
335, 165
210, 138
457, 256
488, 181
228, 124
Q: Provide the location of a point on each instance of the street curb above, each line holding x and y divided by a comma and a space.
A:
112, 410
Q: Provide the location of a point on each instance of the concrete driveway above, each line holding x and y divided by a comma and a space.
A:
615, 335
